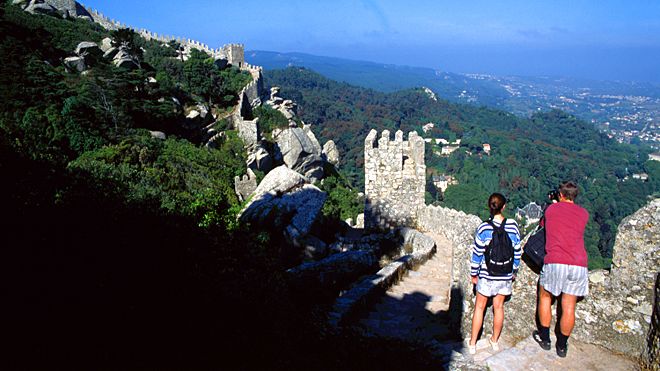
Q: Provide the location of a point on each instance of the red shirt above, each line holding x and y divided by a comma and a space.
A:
564, 234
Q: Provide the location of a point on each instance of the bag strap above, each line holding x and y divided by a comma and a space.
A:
490, 221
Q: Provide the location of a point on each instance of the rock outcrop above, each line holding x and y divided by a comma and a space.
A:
64, 8
284, 200
330, 152
286, 106
75, 63
301, 151
246, 185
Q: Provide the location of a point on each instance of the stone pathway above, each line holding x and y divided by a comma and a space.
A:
528, 355
416, 308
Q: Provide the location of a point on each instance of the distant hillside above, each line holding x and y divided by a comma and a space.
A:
378, 76
622, 109
529, 156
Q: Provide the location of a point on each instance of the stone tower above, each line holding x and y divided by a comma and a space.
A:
395, 179
235, 54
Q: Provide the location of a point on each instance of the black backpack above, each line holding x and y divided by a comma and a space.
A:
499, 252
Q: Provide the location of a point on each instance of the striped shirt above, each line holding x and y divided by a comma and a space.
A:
481, 240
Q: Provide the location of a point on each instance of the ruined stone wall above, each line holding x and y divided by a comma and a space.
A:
458, 227
618, 312
233, 53
395, 179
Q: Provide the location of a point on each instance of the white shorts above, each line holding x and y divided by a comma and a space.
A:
490, 288
563, 278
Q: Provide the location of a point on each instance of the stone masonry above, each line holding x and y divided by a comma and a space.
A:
395, 178
617, 314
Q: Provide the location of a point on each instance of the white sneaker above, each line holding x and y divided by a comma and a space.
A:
494, 345
472, 349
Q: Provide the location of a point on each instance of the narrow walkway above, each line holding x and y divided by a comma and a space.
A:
527, 355
416, 308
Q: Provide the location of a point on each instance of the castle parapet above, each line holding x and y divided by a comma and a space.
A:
395, 179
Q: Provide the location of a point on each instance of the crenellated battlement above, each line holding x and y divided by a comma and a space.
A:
234, 53
395, 178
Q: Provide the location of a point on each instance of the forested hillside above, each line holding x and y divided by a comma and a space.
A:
529, 156
121, 248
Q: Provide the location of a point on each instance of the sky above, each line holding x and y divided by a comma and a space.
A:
593, 39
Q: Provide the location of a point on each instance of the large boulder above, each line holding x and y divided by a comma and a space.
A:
259, 159
65, 8
246, 185
330, 152
301, 152
284, 201
87, 47
89, 51
124, 60
106, 44
75, 63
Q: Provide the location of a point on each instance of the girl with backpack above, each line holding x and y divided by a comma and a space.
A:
495, 259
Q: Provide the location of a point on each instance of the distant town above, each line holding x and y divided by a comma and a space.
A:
628, 112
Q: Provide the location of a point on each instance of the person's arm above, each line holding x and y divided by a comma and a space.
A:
478, 249
517, 248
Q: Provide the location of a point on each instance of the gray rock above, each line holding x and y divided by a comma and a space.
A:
193, 114
87, 48
260, 159
35, 7
285, 200
65, 8
203, 110
111, 53
335, 271
314, 248
124, 60
301, 152
330, 152
158, 135
359, 221
75, 63
246, 185
106, 44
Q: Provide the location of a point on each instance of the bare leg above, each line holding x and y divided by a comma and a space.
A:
498, 317
545, 307
567, 320
478, 317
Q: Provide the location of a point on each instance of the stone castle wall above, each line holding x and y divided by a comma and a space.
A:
619, 311
232, 53
395, 179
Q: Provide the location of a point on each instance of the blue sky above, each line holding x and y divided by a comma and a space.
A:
598, 39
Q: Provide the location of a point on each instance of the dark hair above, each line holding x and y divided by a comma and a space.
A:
569, 189
496, 203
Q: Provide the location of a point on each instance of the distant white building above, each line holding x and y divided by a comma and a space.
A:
641, 176
487, 148
428, 127
654, 156
441, 182
448, 150
532, 213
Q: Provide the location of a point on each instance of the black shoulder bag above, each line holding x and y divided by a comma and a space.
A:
535, 246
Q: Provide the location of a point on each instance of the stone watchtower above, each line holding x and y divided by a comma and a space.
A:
395, 179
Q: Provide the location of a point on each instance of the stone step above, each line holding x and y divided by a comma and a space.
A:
528, 355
